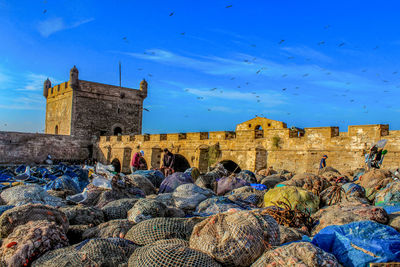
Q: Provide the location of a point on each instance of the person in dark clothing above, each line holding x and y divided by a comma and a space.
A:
168, 162
322, 163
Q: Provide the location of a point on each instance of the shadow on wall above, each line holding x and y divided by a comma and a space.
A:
231, 166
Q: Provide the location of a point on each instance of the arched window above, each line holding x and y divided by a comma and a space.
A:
259, 133
56, 130
117, 131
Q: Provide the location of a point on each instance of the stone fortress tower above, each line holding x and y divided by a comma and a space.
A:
86, 109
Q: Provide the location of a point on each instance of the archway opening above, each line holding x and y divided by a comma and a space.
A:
258, 132
117, 165
231, 166
117, 131
181, 163
56, 130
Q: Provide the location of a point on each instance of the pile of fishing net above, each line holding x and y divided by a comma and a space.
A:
113, 228
235, 238
75, 233
63, 183
141, 182
21, 215
227, 184
296, 254
118, 209
247, 176
83, 215
188, 196
31, 240
348, 212
174, 180
374, 178
289, 216
332, 175
394, 220
171, 252
271, 180
154, 176
289, 234
145, 209
91, 252
309, 181
149, 231
216, 205
247, 195
25, 194
389, 196
209, 180
342, 193
295, 197
194, 173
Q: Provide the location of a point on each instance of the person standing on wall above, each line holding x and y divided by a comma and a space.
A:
135, 162
322, 163
168, 163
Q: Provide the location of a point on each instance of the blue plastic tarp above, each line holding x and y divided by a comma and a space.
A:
360, 243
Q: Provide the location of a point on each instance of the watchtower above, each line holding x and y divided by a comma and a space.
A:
85, 109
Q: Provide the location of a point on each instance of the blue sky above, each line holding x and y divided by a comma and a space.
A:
209, 67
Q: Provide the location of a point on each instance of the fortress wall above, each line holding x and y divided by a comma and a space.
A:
280, 148
30, 148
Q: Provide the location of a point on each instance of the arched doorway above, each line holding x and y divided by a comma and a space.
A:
231, 166
56, 130
181, 163
117, 165
117, 131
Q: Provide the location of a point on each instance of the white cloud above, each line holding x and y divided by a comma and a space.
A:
268, 98
53, 25
34, 82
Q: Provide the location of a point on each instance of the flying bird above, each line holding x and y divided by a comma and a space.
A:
291, 57
376, 47
150, 75
45, 11
258, 71
200, 97
341, 44
364, 70
328, 73
394, 73
182, 33
305, 75
321, 43
232, 78
209, 109
171, 14
228, 6
327, 27
213, 89
281, 41
146, 109
284, 75
139, 69
283, 89
258, 101
186, 90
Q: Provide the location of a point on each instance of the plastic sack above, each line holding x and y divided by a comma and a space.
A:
172, 181
155, 176
106, 170
227, 184
100, 181
360, 243
63, 183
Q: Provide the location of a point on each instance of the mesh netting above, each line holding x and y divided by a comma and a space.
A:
61, 193
91, 252
309, 181
145, 209
142, 182
247, 176
188, 196
216, 205
171, 253
174, 180
389, 196
75, 233
272, 180
247, 195
83, 215
343, 213
118, 209
155, 176
235, 238
127, 187
29, 241
296, 254
25, 194
227, 184
165, 198
31, 212
394, 221
288, 234
114, 228
373, 178
152, 230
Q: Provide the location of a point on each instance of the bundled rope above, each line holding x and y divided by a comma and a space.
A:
289, 216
